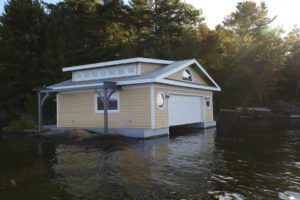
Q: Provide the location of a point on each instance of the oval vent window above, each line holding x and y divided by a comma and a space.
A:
160, 100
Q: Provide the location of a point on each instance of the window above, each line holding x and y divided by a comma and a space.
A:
112, 72
87, 74
131, 69
113, 104
103, 73
208, 101
121, 71
160, 100
95, 74
78, 75
187, 75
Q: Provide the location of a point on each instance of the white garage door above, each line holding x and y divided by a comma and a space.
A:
185, 109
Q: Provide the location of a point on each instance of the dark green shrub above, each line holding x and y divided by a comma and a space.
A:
20, 125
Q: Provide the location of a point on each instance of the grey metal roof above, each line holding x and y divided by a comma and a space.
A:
147, 75
117, 62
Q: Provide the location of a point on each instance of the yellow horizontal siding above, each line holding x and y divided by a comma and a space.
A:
78, 110
146, 67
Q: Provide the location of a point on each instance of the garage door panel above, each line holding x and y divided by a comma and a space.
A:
184, 109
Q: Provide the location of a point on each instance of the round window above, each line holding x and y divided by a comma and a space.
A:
160, 100
187, 75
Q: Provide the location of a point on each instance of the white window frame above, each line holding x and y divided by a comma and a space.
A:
165, 100
191, 73
117, 96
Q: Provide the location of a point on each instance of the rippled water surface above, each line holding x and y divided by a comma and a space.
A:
238, 160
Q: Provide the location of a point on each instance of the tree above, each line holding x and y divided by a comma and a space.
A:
291, 72
160, 24
21, 33
256, 52
248, 21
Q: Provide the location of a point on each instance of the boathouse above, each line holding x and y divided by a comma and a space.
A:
136, 97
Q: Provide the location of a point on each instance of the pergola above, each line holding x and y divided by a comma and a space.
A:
108, 88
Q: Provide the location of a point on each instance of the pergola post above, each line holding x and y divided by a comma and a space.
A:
106, 96
41, 102
105, 102
107, 85
40, 112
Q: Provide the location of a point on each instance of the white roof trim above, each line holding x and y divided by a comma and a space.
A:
210, 78
178, 83
100, 84
188, 63
117, 62
76, 86
164, 81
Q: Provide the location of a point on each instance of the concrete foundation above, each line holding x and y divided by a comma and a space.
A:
207, 124
202, 125
137, 133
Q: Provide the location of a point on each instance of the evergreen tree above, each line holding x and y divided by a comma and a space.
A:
257, 52
22, 47
291, 72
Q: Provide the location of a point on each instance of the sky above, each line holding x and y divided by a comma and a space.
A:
287, 11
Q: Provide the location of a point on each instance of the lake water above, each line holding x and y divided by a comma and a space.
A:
237, 160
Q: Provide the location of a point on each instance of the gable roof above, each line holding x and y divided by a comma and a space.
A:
157, 75
117, 62
186, 64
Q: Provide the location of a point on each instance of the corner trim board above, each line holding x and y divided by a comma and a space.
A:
152, 106
57, 111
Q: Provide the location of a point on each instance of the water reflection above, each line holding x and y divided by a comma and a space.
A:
242, 161
141, 165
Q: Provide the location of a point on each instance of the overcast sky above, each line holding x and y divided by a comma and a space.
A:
215, 10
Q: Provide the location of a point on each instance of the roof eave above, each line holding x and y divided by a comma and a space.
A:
117, 62
136, 82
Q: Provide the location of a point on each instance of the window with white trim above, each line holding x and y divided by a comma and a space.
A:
87, 74
121, 71
131, 69
113, 104
112, 71
95, 74
187, 75
103, 73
